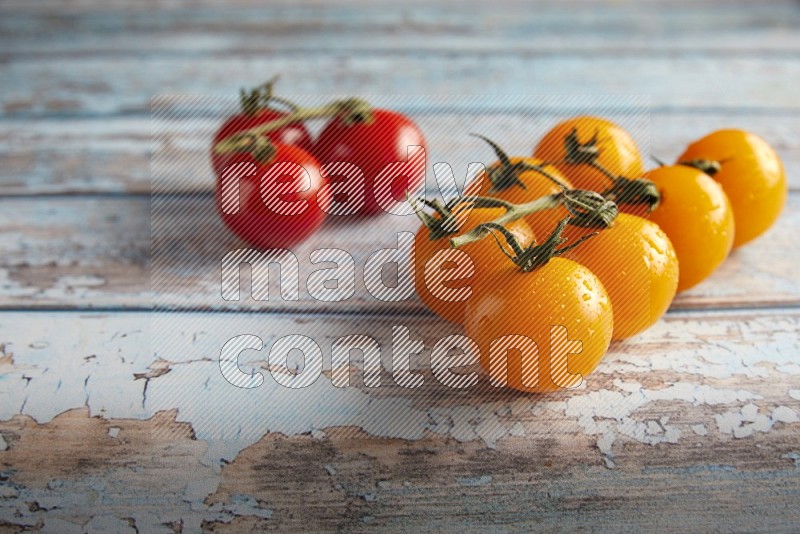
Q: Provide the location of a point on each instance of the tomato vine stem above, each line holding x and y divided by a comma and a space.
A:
587, 209
658, 161
506, 175
535, 255
708, 166
351, 111
447, 223
513, 212
262, 96
623, 190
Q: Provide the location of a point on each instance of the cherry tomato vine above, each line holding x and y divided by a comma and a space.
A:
581, 233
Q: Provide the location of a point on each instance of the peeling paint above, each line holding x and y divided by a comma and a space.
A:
13, 288
784, 414
193, 385
748, 420
100, 363
244, 505
517, 430
103, 523
789, 369
605, 446
81, 286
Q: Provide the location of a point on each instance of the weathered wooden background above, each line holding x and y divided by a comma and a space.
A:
693, 425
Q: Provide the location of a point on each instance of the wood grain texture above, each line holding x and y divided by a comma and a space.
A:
244, 28
94, 86
78, 252
695, 419
111, 59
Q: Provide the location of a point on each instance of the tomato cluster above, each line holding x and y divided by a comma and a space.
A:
545, 258
598, 245
276, 184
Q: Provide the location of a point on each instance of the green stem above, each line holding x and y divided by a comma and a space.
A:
623, 190
506, 174
486, 202
513, 213
630, 190
589, 209
708, 166
658, 161
536, 255
352, 109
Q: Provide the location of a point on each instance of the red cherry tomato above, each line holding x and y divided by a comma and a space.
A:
293, 134
279, 202
371, 145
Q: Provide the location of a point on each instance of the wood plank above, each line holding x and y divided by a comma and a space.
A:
81, 6
211, 30
89, 252
94, 85
68, 156
703, 400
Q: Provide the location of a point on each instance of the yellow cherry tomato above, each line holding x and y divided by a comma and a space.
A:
444, 276
752, 175
637, 265
617, 152
542, 330
697, 217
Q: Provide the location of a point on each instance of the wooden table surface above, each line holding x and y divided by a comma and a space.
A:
116, 419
